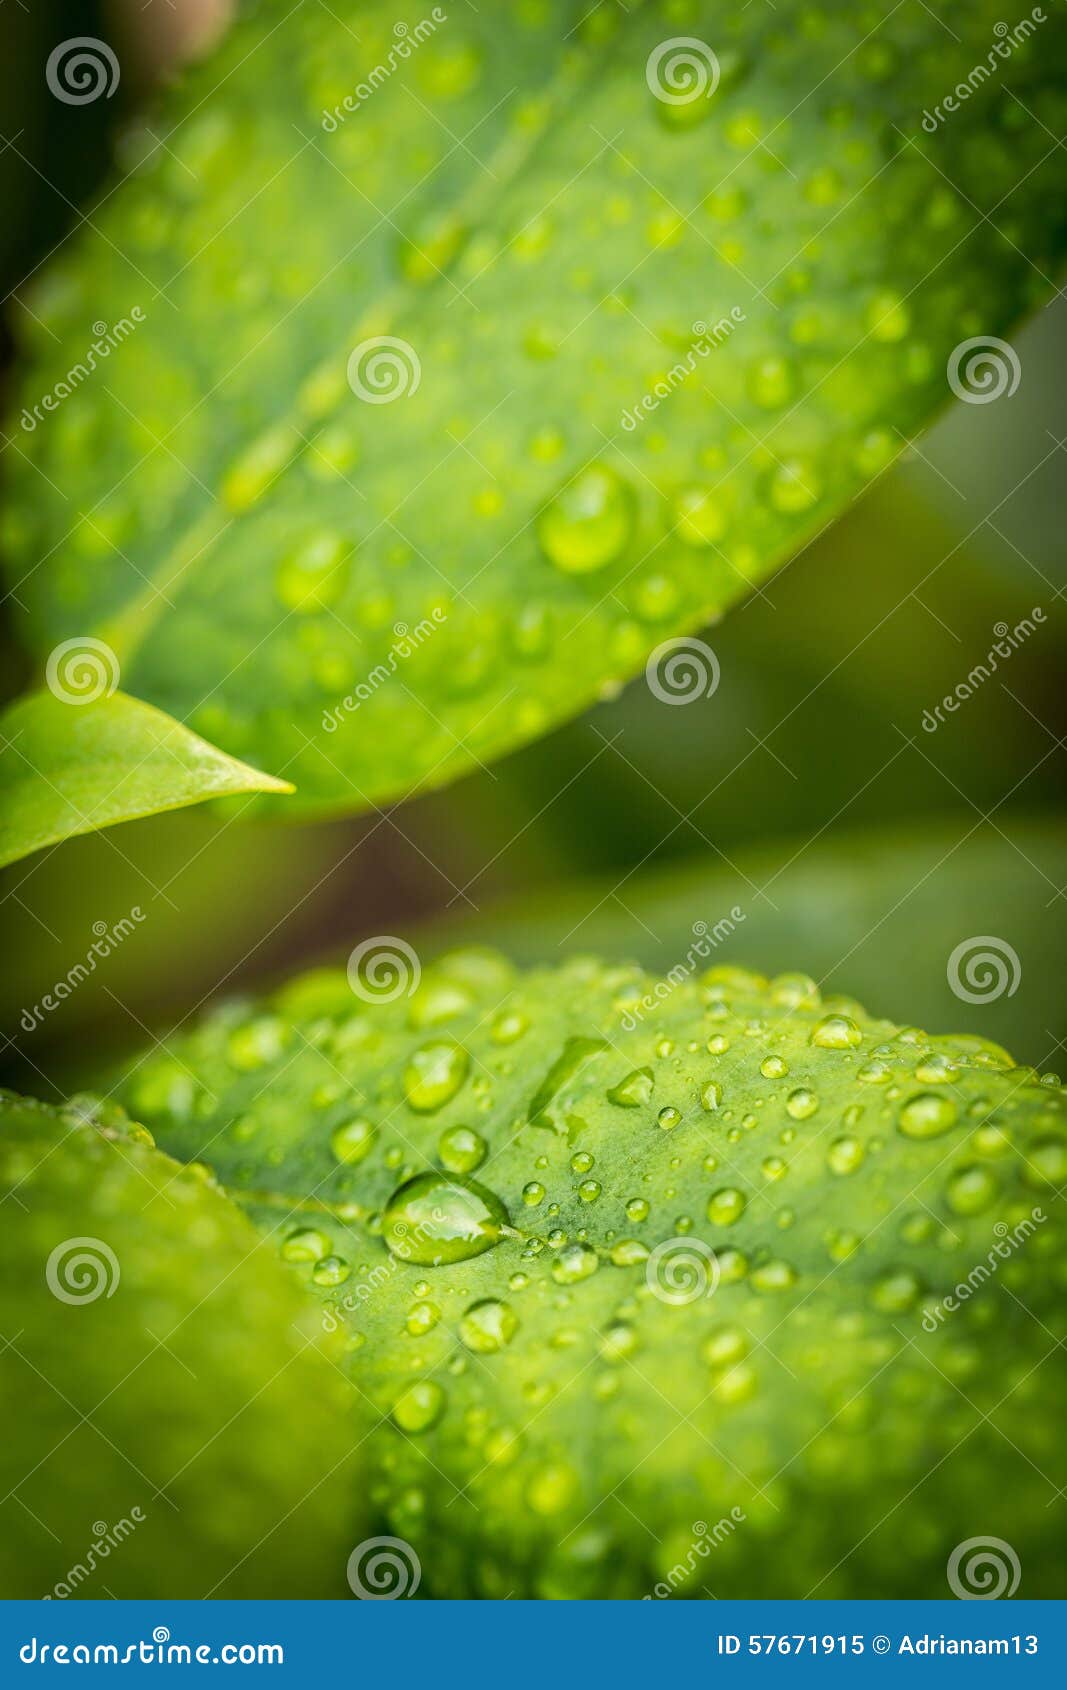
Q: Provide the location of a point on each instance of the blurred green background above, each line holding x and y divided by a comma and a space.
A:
804, 792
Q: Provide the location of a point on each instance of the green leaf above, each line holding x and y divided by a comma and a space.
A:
767, 283
180, 1430
810, 1414
69, 768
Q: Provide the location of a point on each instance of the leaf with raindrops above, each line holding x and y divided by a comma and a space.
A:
180, 1429
444, 371
628, 1264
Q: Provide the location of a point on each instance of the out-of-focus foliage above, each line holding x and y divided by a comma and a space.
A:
169, 1377
75, 767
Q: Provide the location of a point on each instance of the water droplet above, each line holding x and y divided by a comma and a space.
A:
307, 1244
772, 1167
773, 1276
422, 1317
927, 1115
774, 1067
461, 1150
637, 1209
433, 1219
700, 516
589, 522
618, 1342
835, 1032
874, 1074
533, 1193
970, 1190
488, 1325
436, 1000
726, 1206
738, 1384
794, 487
572, 1058
669, 1117
589, 1190
581, 1162
330, 1270
634, 1090
353, 1140
724, 1347
801, 1104
434, 1074
1045, 1162
790, 991
897, 1292
420, 1406
257, 1043
508, 1026
627, 1252
575, 1262
845, 1155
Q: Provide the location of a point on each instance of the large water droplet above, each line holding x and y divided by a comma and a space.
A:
435, 1219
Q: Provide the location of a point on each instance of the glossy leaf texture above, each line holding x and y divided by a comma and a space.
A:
720, 1314
75, 767
637, 350
181, 1430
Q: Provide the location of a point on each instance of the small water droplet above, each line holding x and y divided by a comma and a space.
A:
801, 1104
488, 1325
845, 1155
353, 1140
634, 1090
835, 1032
726, 1206
307, 1244
927, 1115
575, 1262
434, 1074
461, 1150
420, 1406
